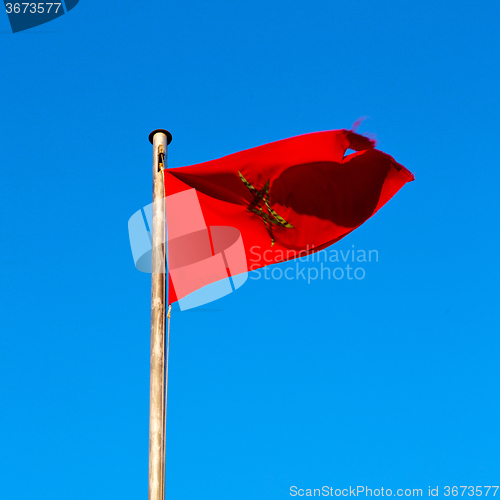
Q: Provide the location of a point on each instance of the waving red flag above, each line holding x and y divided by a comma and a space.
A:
271, 203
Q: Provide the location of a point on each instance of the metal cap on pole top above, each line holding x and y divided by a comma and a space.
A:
162, 131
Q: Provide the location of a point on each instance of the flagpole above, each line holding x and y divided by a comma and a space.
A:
159, 139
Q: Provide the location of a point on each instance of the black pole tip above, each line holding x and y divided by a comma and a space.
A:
166, 132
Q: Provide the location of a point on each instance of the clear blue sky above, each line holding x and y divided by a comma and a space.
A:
391, 381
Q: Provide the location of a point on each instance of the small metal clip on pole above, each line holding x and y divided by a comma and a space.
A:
161, 158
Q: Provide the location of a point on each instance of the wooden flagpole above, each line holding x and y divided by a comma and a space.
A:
159, 139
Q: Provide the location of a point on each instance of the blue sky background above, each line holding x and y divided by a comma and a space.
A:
392, 381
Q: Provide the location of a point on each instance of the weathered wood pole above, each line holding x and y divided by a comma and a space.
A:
160, 139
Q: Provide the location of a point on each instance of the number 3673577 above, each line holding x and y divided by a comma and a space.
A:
470, 491
32, 8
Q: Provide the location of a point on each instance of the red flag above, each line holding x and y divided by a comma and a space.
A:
272, 203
